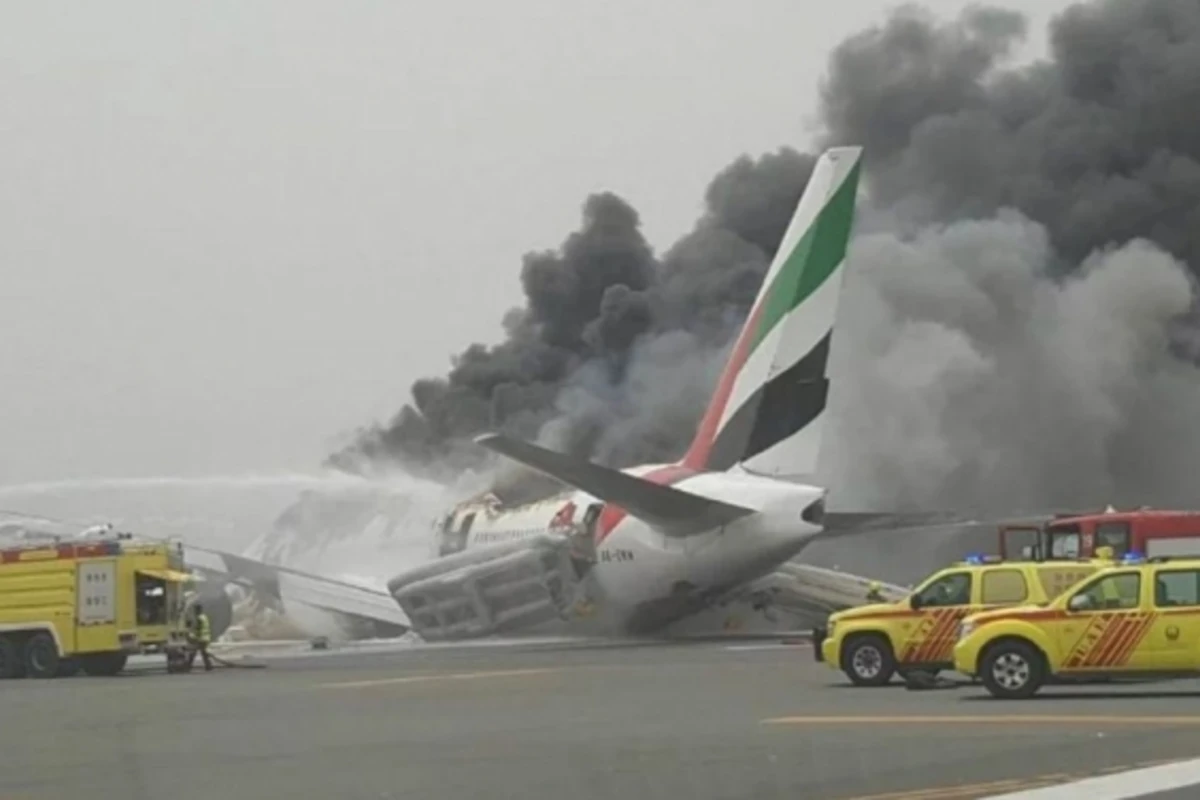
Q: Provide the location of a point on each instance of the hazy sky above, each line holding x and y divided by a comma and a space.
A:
230, 232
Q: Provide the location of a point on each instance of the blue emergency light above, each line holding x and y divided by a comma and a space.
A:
1133, 557
974, 558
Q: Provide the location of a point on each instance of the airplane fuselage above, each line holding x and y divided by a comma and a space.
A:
642, 577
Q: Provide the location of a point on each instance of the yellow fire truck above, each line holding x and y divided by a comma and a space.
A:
90, 605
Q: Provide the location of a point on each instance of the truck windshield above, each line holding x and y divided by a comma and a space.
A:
1114, 535
1021, 544
1064, 541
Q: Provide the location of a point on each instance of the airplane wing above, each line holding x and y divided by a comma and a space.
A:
675, 512
284, 584
292, 585
847, 523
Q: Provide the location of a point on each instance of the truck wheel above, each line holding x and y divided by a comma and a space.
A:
11, 665
1012, 670
41, 656
868, 661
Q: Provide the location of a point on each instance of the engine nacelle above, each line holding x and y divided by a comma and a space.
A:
471, 594
218, 605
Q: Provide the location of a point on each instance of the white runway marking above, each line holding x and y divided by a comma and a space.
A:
1120, 785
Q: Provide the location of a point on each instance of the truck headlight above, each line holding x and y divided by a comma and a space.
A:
965, 629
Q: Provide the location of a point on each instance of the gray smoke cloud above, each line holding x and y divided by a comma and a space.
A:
977, 380
1015, 324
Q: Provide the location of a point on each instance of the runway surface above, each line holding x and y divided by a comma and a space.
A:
700, 720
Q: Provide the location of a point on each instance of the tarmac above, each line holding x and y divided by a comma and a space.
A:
561, 719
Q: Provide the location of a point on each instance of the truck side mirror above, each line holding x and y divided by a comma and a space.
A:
914, 601
1080, 602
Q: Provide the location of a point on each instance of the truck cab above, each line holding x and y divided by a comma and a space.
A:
1066, 537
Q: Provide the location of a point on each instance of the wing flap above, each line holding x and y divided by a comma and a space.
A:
673, 511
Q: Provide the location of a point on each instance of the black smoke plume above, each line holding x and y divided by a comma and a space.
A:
1015, 326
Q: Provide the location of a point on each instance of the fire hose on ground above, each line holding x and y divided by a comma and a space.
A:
183, 661
234, 665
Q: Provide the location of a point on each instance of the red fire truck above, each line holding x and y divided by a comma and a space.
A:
1150, 532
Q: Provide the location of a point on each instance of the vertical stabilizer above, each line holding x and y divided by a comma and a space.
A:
768, 409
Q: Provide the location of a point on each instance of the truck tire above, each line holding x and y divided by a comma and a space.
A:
68, 667
1012, 669
41, 656
867, 660
11, 665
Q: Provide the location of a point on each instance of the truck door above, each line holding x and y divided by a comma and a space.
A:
1066, 543
1173, 639
940, 605
1115, 535
1099, 632
1021, 543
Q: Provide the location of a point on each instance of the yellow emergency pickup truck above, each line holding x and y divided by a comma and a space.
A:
89, 605
1136, 618
917, 634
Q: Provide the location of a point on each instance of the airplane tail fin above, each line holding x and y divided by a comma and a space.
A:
768, 409
672, 511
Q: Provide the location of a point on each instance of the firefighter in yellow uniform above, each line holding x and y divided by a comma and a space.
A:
201, 637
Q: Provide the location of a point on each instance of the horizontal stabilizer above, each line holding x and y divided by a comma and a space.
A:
837, 523
674, 512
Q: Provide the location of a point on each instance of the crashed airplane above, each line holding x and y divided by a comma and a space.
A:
637, 550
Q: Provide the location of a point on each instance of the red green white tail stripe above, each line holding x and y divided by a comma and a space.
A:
769, 406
